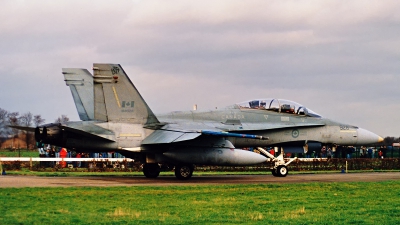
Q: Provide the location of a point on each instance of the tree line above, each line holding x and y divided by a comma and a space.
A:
388, 141
8, 118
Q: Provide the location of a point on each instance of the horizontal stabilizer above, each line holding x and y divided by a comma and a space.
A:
30, 129
89, 131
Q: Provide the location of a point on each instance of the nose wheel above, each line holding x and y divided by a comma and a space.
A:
282, 171
280, 166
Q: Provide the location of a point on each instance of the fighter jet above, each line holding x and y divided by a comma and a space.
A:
115, 117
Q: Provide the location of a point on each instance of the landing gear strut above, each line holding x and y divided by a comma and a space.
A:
280, 166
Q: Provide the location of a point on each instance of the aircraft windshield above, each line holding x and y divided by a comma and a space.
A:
278, 105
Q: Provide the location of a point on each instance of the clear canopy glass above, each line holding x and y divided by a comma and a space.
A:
278, 105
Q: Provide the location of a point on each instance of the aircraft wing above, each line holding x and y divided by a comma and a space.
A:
169, 136
173, 133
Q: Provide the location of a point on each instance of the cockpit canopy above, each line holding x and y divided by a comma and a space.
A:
278, 105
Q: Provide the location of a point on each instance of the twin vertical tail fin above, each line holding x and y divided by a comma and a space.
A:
108, 95
117, 99
80, 81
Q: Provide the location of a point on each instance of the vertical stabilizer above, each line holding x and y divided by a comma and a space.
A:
116, 98
80, 81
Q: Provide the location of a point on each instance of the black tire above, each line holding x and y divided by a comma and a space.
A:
274, 173
282, 171
151, 170
184, 172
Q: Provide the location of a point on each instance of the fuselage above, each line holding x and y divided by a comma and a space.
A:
280, 127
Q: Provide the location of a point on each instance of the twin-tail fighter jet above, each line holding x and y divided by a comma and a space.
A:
115, 117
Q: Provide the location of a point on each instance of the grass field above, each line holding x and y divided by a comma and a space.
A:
311, 203
17, 153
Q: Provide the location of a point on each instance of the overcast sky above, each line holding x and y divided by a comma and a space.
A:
339, 58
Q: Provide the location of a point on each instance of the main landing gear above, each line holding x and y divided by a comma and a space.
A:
182, 172
151, 170
280, 166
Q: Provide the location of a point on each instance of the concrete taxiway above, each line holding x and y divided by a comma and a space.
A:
36, 181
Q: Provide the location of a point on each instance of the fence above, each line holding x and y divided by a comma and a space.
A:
124, 164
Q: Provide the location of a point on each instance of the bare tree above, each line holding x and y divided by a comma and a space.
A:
3, 125
26, 120
388, 141
3, 115
7, 119
37, 120
13, 120
62, 119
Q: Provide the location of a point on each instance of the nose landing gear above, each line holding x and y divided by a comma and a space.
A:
280, 166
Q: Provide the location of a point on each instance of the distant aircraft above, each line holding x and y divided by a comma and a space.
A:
115, 117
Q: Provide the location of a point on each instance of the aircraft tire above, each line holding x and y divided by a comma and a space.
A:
282, 171
274, 173
151, 170
183, 172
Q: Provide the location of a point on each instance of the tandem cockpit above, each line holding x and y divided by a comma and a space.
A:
278, 105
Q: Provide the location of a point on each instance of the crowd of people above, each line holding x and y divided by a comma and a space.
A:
48, 151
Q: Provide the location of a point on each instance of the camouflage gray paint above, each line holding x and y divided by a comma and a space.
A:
120, 120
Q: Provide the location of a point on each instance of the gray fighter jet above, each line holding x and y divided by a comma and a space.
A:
115, 117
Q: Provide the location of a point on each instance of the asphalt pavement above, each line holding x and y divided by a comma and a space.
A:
7, 181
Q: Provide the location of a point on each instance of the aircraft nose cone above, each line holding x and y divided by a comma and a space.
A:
367, 137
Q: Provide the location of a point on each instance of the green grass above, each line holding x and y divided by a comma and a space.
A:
311, 203
22, 152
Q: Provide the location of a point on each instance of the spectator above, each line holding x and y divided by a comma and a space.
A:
384, 151
349, 152
40, 146
370, 153
362, 152
78, 163
57, 150
272, 152
63, 154
380, 154
323, 152
329, 153
52, 154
